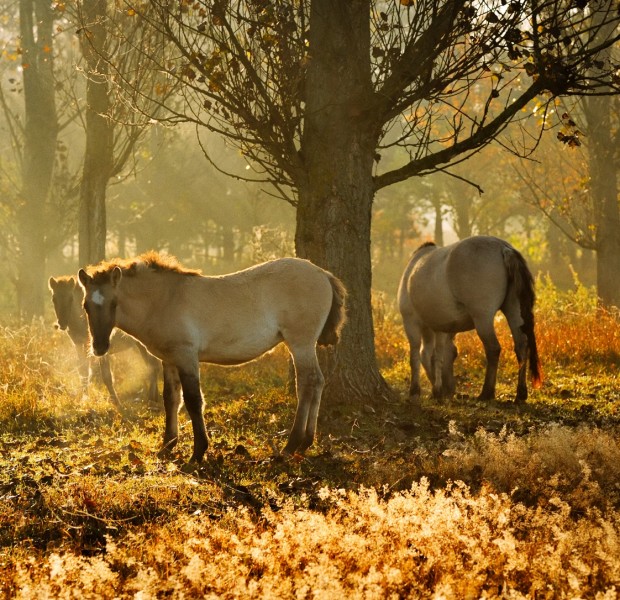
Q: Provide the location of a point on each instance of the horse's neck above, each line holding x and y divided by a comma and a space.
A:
135, 303
77, 326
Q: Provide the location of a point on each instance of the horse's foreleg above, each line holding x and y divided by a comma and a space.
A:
309, 383
106, 376
152, 392
450, 353
414, 338
192, 396
492, 350
428, 359
153, 365
437, 365
83, 368
172, 402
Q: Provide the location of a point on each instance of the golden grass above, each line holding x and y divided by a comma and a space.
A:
461, 500
420, 543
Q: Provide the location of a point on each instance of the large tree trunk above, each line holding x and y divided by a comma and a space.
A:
98, 155
335, 198
40, 133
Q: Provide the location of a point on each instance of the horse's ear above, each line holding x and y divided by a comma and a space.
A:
116, 276
84, 277
52, 283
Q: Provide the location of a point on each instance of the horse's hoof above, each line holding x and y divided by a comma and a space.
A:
415, 402
288, 450
165, 453
521, 396
190, 467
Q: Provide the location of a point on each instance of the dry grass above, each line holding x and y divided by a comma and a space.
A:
461, 500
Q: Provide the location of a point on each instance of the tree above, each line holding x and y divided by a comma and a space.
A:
314, 91
40, 133
575, 184
113, 128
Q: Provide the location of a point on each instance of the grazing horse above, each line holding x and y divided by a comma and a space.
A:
458, 288
185, 318
67, 297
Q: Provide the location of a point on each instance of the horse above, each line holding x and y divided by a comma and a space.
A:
184, 318
460, 287
67, 297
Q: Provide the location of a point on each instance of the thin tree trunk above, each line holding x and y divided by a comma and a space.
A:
335, 200
438, 222
603, 173
98, 157
40, 133
604, 191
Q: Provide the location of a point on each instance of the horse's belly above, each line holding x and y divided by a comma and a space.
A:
448, 321
235, 352
455, 326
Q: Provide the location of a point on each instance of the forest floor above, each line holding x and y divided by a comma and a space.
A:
455, 500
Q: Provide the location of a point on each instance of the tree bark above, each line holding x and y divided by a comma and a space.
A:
98, 155
336, 195
40, 133
604, 191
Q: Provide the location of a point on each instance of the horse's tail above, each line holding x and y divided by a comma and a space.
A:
337, 314
521, 278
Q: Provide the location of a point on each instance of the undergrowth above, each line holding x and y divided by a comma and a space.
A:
453, 500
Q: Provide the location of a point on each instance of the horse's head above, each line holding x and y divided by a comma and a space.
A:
100, 299
63, 296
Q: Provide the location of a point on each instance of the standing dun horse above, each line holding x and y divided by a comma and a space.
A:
185, 318
458, 288
67, 297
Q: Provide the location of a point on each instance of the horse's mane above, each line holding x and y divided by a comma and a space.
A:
151, 260
426, 245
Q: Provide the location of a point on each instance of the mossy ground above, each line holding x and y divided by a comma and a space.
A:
460, 499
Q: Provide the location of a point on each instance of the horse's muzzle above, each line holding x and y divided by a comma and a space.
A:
100, 348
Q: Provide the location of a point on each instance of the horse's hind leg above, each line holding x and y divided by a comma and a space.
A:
515, 321
492, 350
172, 402
106, 376
309, 383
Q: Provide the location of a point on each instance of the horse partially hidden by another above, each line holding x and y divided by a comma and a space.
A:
67, 297
458, 288
184, 318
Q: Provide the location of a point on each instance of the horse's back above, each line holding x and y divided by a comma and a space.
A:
239, 316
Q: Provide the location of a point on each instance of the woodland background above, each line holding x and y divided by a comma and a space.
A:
103, 154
